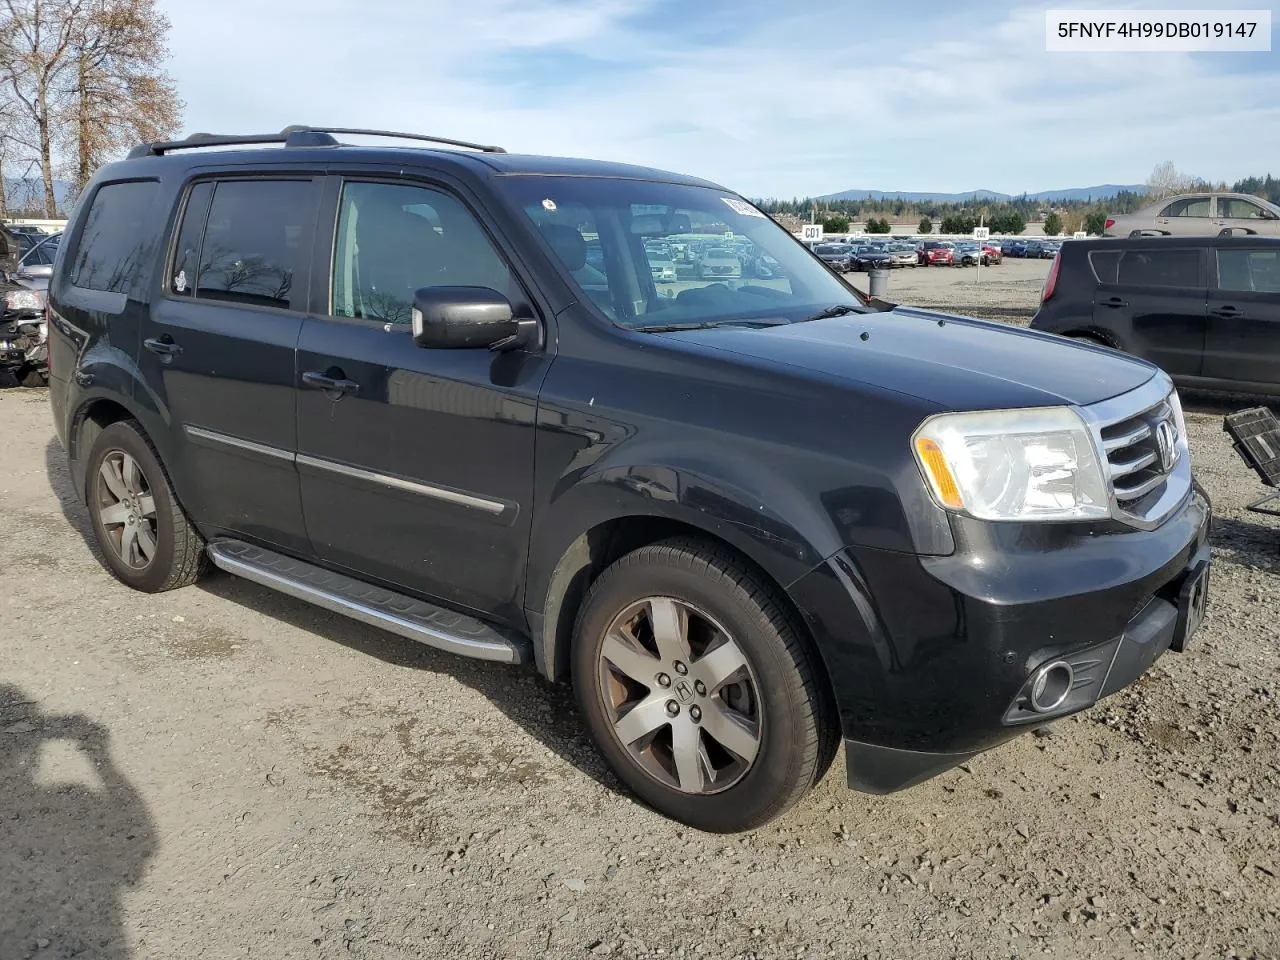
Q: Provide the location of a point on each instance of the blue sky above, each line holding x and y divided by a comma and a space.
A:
770, 98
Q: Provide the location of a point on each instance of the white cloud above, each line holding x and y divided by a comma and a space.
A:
962, 100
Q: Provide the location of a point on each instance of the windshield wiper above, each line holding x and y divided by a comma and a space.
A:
839, 310
706, 324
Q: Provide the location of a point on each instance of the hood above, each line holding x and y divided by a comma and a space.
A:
955, 362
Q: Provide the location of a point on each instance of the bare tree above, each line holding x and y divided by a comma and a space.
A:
36, 55
121, 93
1166, 180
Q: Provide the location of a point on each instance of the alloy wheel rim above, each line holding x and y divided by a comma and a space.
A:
680, 695
127, 510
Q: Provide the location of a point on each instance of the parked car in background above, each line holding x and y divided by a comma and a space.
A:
838, 256
991, 254
1014, 247
903, 255
871, 256
719, 263
937, 253
1033, 249
38, 261
967, 254
24, 352
1206, 310
1199, 215
1050, 248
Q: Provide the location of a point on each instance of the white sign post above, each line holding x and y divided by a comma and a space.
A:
811, 232
982, 235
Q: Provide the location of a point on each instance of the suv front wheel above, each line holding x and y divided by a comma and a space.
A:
698, 688
146, 539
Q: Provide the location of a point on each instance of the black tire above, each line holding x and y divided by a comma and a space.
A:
178, 557
34, 378
798, 734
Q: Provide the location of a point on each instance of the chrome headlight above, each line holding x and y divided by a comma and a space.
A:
24, 300
1036, 464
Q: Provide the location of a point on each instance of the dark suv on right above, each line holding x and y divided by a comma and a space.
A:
747, 516
1205, 309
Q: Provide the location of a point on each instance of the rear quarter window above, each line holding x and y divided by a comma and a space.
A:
115, 247
1105, 265
1160, 268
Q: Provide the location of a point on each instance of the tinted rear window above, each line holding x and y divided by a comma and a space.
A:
255, 243
1160, 268
114, 246
1105, 264
1252, 271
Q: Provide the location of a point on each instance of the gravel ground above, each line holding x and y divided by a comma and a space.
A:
226, 772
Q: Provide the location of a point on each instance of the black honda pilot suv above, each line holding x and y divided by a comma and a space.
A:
439, 388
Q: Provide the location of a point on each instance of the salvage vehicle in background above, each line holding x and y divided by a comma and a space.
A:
763, 516
1199, 215
937, 253
1206, 310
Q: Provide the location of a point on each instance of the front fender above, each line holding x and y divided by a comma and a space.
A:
736, 500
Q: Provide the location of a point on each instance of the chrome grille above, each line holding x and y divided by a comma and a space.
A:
1133, 455
1131, 430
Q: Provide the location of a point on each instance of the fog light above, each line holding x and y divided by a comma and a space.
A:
1051, 686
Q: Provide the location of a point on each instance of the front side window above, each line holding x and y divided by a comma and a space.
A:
1160, 268
114, 243
731, 262
1187, 207
394, 239
1252, 271
1236, 208
255, 244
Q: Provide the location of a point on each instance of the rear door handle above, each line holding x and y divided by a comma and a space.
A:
1114, 302
1226, 311
323, 381
164, 346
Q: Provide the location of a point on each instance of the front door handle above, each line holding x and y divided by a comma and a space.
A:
1226, 311
330, 381
163, 346
1114, 302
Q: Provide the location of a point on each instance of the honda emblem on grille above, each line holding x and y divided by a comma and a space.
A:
1166, 443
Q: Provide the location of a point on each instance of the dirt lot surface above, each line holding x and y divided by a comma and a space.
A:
225, 772
1010, 291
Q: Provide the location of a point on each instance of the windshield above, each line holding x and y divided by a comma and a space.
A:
732, 263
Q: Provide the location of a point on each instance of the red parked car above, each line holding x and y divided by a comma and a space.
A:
937, 253
991, 254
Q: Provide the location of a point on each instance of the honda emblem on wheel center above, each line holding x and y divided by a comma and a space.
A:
684, 691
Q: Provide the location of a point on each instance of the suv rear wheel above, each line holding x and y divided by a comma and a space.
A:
698, 688
148, 542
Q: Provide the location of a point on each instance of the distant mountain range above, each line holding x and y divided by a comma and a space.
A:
1100, 192
29, 193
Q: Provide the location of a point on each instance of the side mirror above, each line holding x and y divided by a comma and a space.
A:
467, 318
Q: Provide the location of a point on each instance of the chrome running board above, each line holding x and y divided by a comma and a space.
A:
408, 617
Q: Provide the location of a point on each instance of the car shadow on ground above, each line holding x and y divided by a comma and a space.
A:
74, 836
544, 710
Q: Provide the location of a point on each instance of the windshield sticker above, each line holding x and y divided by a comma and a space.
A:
549, 205
180, 281
741, 207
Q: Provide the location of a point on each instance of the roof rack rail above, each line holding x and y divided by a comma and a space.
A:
291, 136
357, 131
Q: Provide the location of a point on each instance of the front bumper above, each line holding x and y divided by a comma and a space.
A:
930, 657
